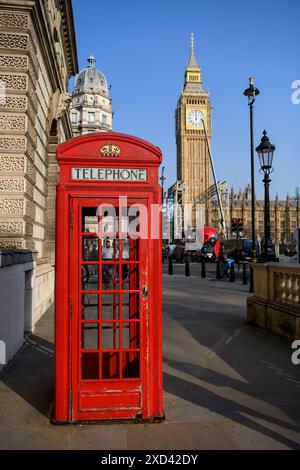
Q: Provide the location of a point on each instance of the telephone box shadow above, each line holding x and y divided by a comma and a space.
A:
229, 409
31, 374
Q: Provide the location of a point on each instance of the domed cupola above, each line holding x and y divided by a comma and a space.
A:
91, 78
91, 107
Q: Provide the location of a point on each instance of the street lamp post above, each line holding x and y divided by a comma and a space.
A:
162, 179
251, 93
265, 152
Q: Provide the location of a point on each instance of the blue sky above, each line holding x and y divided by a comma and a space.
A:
143, 48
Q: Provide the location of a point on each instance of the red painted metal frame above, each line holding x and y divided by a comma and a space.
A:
85, 152
123, 398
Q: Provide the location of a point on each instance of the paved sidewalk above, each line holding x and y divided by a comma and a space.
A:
227, 385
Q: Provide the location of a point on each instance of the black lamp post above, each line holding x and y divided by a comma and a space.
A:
265, 152
162, 179
251, 93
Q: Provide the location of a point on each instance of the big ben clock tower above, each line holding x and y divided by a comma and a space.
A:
193, 163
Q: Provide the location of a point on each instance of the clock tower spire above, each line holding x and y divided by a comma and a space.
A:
193, 71
193, 163
192, 78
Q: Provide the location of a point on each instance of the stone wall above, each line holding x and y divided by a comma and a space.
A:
43, 293
17, 275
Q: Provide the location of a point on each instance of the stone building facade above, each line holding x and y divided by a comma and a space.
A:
284, 214
37, 58
91, 107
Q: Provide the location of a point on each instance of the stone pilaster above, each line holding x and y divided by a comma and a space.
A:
52, 179
16, 173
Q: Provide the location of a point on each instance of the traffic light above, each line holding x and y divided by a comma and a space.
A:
237, 224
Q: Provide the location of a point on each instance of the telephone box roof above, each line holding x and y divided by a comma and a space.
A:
91, 148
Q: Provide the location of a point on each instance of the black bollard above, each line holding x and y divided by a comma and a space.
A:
170, 266
203, 267
232, 273
251, 286
218, 270
187, 266
245, 280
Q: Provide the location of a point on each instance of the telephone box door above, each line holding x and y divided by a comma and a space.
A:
109, 314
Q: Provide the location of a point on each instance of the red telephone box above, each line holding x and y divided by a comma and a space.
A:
108, 332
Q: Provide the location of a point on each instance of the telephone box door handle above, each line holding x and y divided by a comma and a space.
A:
145, 291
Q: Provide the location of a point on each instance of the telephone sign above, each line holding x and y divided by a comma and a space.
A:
109, 174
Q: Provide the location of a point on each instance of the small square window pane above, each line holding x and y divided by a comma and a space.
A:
110, 276
90, 366
130, 335
110, 249
130, 249
110, 336
89, 220
130, 276
89, 276
130, 306
108, 220
90, 248
125, 306
110, 307
90, 336
110, 365
131, 364
89, 307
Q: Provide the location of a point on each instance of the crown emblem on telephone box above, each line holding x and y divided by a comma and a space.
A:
110, 150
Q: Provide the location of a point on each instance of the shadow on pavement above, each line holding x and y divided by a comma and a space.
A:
207, 326
226, 407
31, 374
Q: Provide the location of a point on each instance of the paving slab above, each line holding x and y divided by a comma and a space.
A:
180, 436
40, 435
98, 437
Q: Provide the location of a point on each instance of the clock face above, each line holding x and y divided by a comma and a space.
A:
195, 117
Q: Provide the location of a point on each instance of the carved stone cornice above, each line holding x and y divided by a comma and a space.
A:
69, 33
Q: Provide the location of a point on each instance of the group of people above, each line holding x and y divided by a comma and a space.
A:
109, 253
